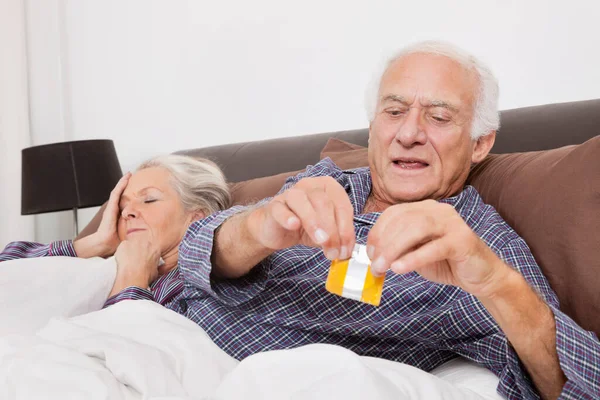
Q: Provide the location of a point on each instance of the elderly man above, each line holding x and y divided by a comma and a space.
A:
481, 293
459, 280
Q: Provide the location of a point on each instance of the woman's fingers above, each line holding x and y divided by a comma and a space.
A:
107, 238
112, 207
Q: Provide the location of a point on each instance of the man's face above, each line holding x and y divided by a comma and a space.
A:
420, 145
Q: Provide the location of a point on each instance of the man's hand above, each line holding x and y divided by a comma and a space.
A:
315, 212
433, 239
137, 262
104, 242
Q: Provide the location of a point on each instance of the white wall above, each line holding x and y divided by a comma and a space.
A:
162, 75
49, 100
14, 121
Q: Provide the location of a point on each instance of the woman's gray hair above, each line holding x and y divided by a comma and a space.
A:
200, 183
485, 117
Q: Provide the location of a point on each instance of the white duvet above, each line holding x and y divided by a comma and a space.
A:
141, 350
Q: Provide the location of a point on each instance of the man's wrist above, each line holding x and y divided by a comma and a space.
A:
504, 283
249, 222
514, 300
529, 325
236, 232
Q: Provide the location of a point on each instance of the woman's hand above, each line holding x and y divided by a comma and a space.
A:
104, 242
137, 262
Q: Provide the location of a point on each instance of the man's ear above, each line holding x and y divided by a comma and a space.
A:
482, 147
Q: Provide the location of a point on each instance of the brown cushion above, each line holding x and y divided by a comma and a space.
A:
345, 155
248, 192
552, 200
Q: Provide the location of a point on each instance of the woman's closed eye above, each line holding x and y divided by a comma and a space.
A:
149, 200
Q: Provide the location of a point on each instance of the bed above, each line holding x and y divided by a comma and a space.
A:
55, 342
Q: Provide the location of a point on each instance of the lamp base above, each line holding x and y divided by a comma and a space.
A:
75, 222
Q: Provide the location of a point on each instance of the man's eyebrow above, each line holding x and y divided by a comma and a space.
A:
441, 103
429, 104
396, 98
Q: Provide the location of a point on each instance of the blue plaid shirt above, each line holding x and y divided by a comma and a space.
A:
282, 303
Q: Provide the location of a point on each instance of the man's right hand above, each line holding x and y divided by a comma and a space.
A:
315, 212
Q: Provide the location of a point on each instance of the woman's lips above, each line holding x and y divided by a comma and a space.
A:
134, 230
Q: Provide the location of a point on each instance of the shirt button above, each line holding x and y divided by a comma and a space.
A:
183, 305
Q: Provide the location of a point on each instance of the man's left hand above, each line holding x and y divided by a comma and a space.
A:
432, 239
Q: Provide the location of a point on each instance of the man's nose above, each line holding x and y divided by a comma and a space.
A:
412, 131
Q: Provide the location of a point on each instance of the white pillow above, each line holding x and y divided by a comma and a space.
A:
34, 290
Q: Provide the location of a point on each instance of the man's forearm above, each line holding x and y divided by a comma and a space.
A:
235, 252
529, 325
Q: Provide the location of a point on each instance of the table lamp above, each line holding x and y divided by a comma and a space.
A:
68, 176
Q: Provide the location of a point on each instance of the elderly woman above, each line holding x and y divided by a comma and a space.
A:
146, 218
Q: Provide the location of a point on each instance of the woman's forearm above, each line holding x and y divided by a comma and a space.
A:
90, 246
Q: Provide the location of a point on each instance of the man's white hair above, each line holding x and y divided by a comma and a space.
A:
199, 182
485, 117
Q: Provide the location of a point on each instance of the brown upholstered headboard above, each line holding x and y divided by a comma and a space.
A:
522, 129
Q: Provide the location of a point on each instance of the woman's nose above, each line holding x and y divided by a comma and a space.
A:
129, 212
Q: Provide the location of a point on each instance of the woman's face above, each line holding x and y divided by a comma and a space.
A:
149, 203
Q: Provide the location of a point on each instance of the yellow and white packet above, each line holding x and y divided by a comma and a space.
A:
353, 279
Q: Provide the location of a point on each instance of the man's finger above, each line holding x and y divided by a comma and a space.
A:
298, 202
428, 254
344, 217
283, 215
400, 237
375, 242
324, 208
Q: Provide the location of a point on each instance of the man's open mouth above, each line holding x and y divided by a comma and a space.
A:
410, 163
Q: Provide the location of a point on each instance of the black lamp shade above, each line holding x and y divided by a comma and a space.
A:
67, 175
